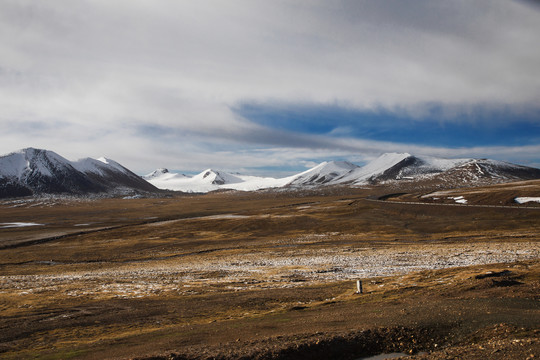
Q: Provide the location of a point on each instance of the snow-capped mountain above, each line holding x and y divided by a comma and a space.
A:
390, 168
211, 180
485, 171
394, 168
215, 177
35, 171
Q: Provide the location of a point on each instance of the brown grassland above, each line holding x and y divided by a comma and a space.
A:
272, 275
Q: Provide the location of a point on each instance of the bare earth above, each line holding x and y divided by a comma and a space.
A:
271, 275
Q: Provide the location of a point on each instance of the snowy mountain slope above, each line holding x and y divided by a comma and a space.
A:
324, 173
373, 169
111, 174
35, 171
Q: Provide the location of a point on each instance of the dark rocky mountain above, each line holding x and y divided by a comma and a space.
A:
34, 172
453, 172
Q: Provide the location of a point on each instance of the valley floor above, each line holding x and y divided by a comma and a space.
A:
269, 275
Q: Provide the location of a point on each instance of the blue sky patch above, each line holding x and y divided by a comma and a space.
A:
439, 125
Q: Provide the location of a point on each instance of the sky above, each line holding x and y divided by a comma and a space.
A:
270, 87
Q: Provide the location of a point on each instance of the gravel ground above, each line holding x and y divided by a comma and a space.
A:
280, 268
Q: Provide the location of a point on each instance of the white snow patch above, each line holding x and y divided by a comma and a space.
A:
523, 200
459, 199
223, 216
17, 224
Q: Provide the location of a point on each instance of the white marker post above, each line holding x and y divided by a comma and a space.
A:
359, 289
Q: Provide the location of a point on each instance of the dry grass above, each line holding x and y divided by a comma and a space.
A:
171, 273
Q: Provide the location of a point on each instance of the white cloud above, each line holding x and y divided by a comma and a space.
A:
84, 78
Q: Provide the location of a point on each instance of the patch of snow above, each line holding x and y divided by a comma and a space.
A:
459, 199
103, 160
523, 200
131, 197
18, 224
479, 168
223, 216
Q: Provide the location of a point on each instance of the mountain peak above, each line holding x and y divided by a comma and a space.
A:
215, 177
161, 171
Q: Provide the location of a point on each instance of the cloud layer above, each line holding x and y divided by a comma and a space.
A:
159, 83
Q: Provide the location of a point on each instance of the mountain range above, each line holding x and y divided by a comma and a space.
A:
390, 168
35, 171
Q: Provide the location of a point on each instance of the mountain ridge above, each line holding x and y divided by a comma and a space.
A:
33, 171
